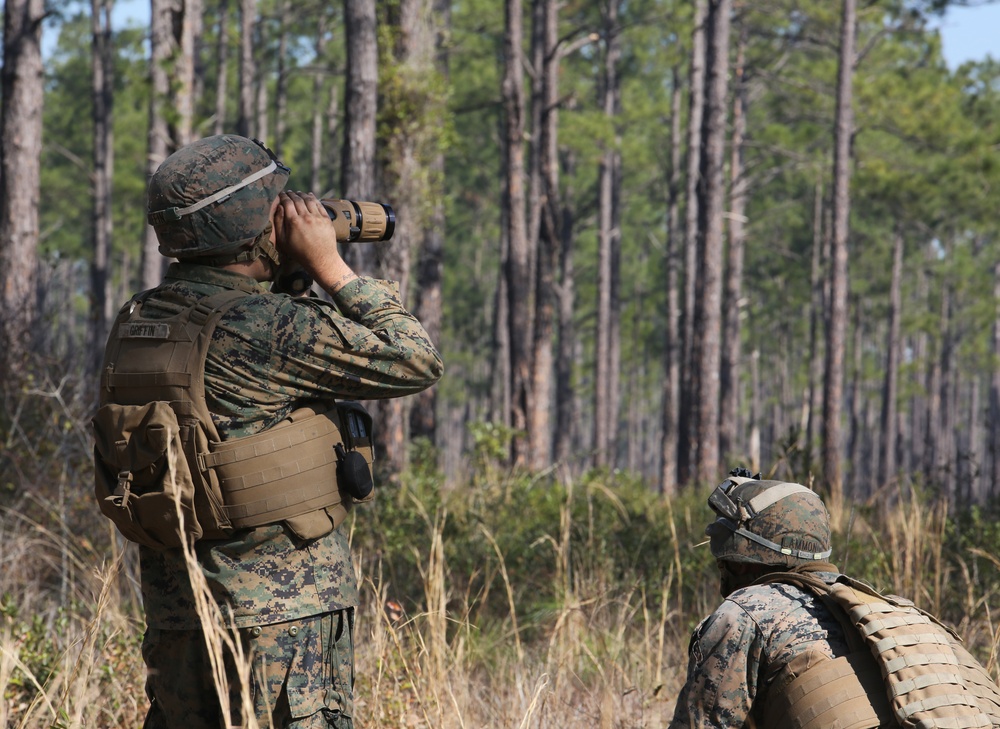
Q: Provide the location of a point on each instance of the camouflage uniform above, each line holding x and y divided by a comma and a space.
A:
293, 601
738, 651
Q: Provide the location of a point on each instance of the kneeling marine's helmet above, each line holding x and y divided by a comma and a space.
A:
768, 523
212, 198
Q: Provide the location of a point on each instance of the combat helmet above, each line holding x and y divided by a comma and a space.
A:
768, 523
211, 200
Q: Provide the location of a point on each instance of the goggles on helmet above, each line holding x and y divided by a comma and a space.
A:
172, 214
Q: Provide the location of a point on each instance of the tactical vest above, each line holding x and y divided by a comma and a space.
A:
162, 470
921, 676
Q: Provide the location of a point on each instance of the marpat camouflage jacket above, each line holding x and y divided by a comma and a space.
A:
270, 354
737, 651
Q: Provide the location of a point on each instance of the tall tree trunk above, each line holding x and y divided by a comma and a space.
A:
360, 109
412, 148
222, 68
281, 86
815, 312
856, 440
102, 79
248, 71
316, 144
430, 264
606, 373
518, 263
833, 383
186, 18
673, 349
20, 170
549, 240
887, 462
696, 109
729, 394
711, 205
565, 396
158, 140
994, 423
946, 456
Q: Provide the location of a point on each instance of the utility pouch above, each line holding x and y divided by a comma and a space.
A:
143, 481
356, 455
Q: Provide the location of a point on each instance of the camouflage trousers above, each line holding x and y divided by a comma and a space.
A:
302, 676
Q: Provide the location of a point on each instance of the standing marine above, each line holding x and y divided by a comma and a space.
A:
227, 422
798, 645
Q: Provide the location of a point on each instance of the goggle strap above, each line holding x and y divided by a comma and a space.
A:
173, 214
797, 553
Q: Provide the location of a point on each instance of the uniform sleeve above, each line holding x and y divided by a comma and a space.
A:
368, 347
723, 662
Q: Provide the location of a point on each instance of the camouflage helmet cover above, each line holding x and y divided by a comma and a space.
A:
213, 196
769, 523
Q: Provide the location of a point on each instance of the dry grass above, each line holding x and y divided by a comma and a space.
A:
607, 654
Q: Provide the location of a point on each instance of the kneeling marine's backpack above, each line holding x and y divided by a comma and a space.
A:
162, 472
922, 677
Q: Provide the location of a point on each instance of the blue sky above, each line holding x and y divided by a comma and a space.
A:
969, 34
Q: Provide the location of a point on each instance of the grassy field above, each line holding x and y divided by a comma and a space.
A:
501, 600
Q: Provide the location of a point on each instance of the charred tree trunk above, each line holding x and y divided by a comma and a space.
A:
833, 382
711, 205
20, 170
994, 426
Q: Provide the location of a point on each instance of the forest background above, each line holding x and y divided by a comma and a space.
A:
653, 240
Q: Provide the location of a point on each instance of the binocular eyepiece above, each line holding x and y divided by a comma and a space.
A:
360, 221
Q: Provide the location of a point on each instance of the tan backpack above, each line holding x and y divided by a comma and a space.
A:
159, 459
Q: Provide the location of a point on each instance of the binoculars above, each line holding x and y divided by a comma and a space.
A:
360, 221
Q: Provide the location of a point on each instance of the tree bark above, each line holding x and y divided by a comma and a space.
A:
20, 170
606, 371
316, 146
729, 392
672, 351
102, 84
696, 109
222, 68
244, 119
566, 428
360, 109
430, 264
711, 204
833, 382
994, 424
815, 312
518, 262
281, 86
186, 17
890, 388
549, 240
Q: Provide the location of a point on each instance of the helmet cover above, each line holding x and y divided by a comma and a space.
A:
213, 196
769, 523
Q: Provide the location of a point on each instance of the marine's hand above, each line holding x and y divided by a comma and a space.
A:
305, 233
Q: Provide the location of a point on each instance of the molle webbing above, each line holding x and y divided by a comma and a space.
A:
283, 472
930, 680
842, 693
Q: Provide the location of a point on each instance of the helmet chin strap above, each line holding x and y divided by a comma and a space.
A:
260, 247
